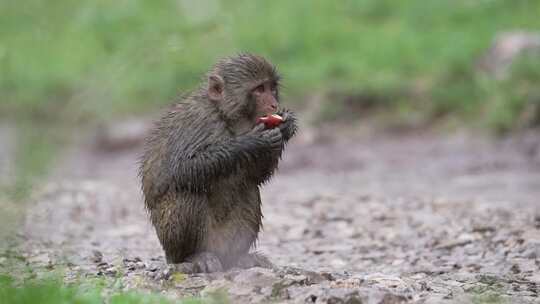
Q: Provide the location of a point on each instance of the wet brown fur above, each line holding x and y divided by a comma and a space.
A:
203, 165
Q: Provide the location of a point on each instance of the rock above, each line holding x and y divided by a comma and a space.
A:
515, 269
152, 267
349, 297
505, 49
165, 272
256, 276
296, 279
535, 278
334, 300
253, 285
40, 259
533, 252
151, 274
133, 264
390, 298
96, 257
280, 290
140, 265
324, 294
102, 264
111, 271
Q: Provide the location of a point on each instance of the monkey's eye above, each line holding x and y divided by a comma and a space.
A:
260, 89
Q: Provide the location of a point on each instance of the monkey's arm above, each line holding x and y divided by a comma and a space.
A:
266, 162
197, 171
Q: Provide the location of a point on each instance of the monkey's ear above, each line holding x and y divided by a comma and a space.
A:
215, 87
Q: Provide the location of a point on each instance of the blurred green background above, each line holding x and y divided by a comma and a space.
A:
70, 63
88, 60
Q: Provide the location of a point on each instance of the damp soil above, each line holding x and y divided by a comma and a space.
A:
413, 217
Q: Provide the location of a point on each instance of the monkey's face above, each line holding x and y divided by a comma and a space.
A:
244, 87
265, 98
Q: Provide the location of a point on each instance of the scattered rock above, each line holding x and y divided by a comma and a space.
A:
393, 299
257, 277
97, 256
515, 269
110, 271
365, 223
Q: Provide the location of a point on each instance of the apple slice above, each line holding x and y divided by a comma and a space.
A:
270, 121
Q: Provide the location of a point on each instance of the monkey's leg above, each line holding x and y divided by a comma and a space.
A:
205, 262
254, 259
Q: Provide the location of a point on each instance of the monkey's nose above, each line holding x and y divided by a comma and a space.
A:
274, 106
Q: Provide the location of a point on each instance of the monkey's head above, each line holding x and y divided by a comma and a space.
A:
244, 86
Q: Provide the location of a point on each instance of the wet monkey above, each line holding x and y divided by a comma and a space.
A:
205, 160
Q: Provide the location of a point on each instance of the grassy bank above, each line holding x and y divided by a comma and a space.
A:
95, 59
54, 291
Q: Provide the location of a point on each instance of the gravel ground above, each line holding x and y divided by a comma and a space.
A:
410, 218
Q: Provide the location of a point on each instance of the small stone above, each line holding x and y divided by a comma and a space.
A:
353, 298
102, 264
328, 276
166, 273
311, 299
256, 276
111, 271
533, 252
537, 221
515, 269
152, 268
280, 291
334, 300
393, 299
312, 277
296, 279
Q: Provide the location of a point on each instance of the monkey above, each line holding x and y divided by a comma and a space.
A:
205, 160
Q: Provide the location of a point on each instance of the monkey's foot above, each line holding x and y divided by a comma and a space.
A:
200, 262
254, 260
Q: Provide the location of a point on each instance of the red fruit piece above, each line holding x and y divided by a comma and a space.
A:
271, 121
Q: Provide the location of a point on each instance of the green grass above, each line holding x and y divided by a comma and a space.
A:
52, 291
96, 59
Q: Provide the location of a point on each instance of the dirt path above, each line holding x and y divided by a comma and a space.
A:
397, 219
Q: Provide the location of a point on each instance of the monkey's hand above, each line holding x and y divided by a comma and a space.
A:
270, 140
289, 125
273, 139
